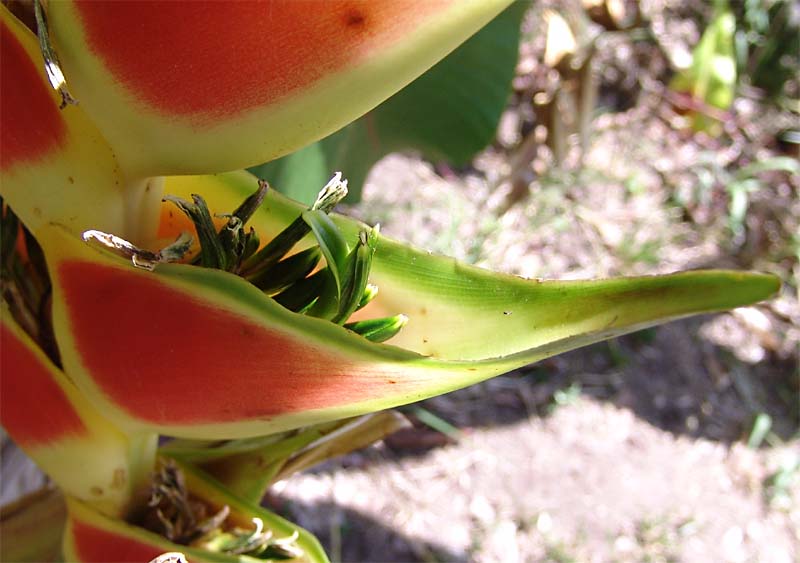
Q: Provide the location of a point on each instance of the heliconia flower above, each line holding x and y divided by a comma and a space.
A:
180, 88
53, 422
202, 353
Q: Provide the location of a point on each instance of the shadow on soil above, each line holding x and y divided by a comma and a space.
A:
669, 376
342, 531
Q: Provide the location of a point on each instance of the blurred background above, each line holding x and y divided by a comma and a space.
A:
576, 139
639, 138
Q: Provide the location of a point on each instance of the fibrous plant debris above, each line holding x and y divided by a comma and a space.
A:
186, 519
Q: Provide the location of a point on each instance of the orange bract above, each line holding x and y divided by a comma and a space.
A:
206, 58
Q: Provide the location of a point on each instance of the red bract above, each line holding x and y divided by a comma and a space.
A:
32, 125
29, 380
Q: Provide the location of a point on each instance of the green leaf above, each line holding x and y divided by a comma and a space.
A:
449, 114
435, 422
775, 41
762, 424
712, 76
774, 164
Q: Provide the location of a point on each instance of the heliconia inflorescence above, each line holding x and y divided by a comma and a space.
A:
279, 320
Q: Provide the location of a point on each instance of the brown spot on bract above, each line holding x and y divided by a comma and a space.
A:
70, 179
96, 491
354, 18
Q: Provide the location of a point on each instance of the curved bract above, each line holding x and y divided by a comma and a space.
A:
183, 88
460, 312
214, 357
